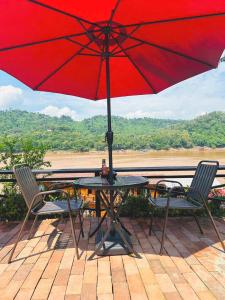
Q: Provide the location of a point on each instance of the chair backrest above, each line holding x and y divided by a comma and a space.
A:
203, 179
27, 183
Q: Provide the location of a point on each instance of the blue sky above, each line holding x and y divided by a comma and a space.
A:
196, 96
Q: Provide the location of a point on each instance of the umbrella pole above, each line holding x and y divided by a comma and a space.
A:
109, 133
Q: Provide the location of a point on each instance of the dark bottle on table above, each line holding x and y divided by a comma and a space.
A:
104, 171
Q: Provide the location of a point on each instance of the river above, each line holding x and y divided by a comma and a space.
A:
135, 158
191, 157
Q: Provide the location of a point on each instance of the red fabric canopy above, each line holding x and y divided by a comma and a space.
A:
58, 46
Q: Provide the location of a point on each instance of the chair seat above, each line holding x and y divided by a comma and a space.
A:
175, 203
58, 206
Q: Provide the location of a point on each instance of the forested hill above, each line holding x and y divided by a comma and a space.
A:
146, 133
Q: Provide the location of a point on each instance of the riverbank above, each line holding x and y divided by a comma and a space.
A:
195, 149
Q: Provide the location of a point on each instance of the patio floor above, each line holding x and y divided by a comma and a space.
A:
193, 266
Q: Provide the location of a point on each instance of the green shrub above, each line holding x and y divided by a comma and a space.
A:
135, 207
217, 202
12, 205
12, 152
216, 207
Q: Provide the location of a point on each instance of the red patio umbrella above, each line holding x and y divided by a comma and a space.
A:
101, 49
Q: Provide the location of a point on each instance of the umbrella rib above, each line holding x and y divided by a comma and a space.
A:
63, 12
86, 47
136, 67
55, 71
167, 50
44, 41
188, 18
98, 79
128, 48
89, 54
135, 29
62, 65
113, 12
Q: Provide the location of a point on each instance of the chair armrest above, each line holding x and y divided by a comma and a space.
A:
45, 193
185, 193
169, 181
171, 192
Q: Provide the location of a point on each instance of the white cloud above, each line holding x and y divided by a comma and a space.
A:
152, 114
55, 111
9, 96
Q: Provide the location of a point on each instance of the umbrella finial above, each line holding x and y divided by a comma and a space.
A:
106, 29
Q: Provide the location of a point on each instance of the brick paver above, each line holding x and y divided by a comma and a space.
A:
45, 267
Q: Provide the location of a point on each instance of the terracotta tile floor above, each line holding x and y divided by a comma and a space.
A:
45, 267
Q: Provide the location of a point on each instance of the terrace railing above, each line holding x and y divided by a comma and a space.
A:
149, 172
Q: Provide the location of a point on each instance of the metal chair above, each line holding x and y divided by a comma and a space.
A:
193, 198
35, 201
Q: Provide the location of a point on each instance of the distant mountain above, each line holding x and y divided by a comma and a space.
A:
143, 133
207, 130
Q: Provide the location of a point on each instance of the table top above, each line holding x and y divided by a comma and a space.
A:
119, 182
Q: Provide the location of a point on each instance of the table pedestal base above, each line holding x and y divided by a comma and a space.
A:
113, 245
116, 239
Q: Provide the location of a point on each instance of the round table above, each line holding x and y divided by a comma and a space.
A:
107, 193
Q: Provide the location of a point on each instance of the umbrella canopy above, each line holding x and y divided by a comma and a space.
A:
57, 46
102, 49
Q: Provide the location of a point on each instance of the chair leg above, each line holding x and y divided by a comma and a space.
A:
73, 233
198, 223
164, 230
215, 227
18, 237
32, 227
81, 224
